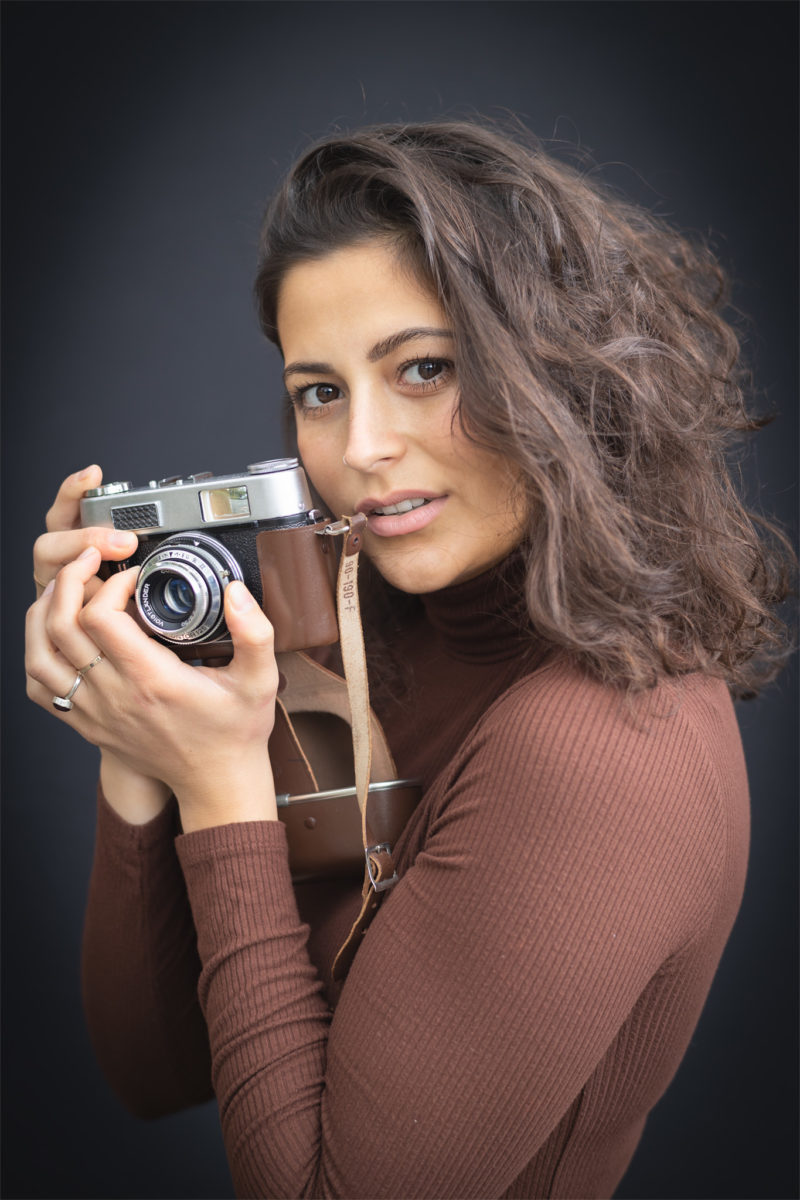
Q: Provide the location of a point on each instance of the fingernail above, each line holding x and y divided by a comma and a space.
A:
122, 539
240, 598
86, 471
87, 553
49, 588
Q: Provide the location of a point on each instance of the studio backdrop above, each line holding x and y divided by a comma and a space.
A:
140, 143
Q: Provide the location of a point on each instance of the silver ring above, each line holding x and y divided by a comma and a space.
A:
85, 670
64, 703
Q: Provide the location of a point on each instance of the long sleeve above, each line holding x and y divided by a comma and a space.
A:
140, 967
566, 890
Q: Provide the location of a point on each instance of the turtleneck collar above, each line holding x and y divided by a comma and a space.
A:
483, 620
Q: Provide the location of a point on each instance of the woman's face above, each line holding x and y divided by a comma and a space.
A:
370, 368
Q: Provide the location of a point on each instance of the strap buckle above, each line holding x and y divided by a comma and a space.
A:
351, 528
375, 866
335, 528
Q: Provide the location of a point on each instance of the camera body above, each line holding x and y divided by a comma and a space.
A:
198, 533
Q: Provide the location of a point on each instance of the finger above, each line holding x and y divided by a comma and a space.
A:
92, 588
253, 641
64, 607
48, 672
52, 551
65, 512
109, 623
40, 653
77, 717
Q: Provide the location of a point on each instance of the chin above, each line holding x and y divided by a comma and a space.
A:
418, 574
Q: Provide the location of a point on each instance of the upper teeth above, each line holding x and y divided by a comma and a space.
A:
390, 510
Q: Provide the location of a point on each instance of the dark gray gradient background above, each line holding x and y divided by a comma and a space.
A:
140, 143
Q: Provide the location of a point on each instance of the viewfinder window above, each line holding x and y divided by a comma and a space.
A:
223, 504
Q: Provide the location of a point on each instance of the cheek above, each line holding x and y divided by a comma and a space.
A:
310, 449
499, 490
321, 463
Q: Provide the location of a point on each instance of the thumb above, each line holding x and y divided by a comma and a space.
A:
251, 633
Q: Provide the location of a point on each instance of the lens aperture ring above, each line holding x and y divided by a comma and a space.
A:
181, 586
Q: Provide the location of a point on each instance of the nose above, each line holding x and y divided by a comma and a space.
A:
374, 436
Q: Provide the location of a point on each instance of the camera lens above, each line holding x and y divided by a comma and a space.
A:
181, 585
178, 596
175, 599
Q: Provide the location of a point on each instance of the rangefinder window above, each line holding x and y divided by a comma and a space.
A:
220, 504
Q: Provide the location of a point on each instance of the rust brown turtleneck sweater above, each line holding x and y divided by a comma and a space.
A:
525, 993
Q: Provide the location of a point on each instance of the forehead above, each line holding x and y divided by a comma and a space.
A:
352, 297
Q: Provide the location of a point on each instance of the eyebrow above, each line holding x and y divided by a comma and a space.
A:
380, 350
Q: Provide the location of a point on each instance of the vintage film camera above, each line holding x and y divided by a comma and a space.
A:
198, 533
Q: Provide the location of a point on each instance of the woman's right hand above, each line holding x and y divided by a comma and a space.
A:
136, 798
65, 539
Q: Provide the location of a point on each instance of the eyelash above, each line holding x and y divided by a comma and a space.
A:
295, 395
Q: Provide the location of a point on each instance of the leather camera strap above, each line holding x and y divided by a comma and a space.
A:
310, 688
379, 873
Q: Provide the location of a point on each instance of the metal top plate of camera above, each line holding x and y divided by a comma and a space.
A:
272, 490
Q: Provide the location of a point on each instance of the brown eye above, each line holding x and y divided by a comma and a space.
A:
426, 370
318, 394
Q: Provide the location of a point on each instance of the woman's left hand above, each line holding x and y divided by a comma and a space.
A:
202, 730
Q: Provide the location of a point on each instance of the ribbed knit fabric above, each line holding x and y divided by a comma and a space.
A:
528, 988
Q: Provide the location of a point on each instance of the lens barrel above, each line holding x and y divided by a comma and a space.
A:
180, 589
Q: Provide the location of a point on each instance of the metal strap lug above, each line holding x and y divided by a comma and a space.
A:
379, 885
335, 529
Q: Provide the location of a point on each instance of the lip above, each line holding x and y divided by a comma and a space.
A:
369, 502
401, 523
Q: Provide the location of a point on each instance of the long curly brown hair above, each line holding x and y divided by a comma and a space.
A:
593, 353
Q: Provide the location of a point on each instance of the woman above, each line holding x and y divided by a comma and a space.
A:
526, 386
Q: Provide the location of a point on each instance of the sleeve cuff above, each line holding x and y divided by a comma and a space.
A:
165, 826
239, 882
